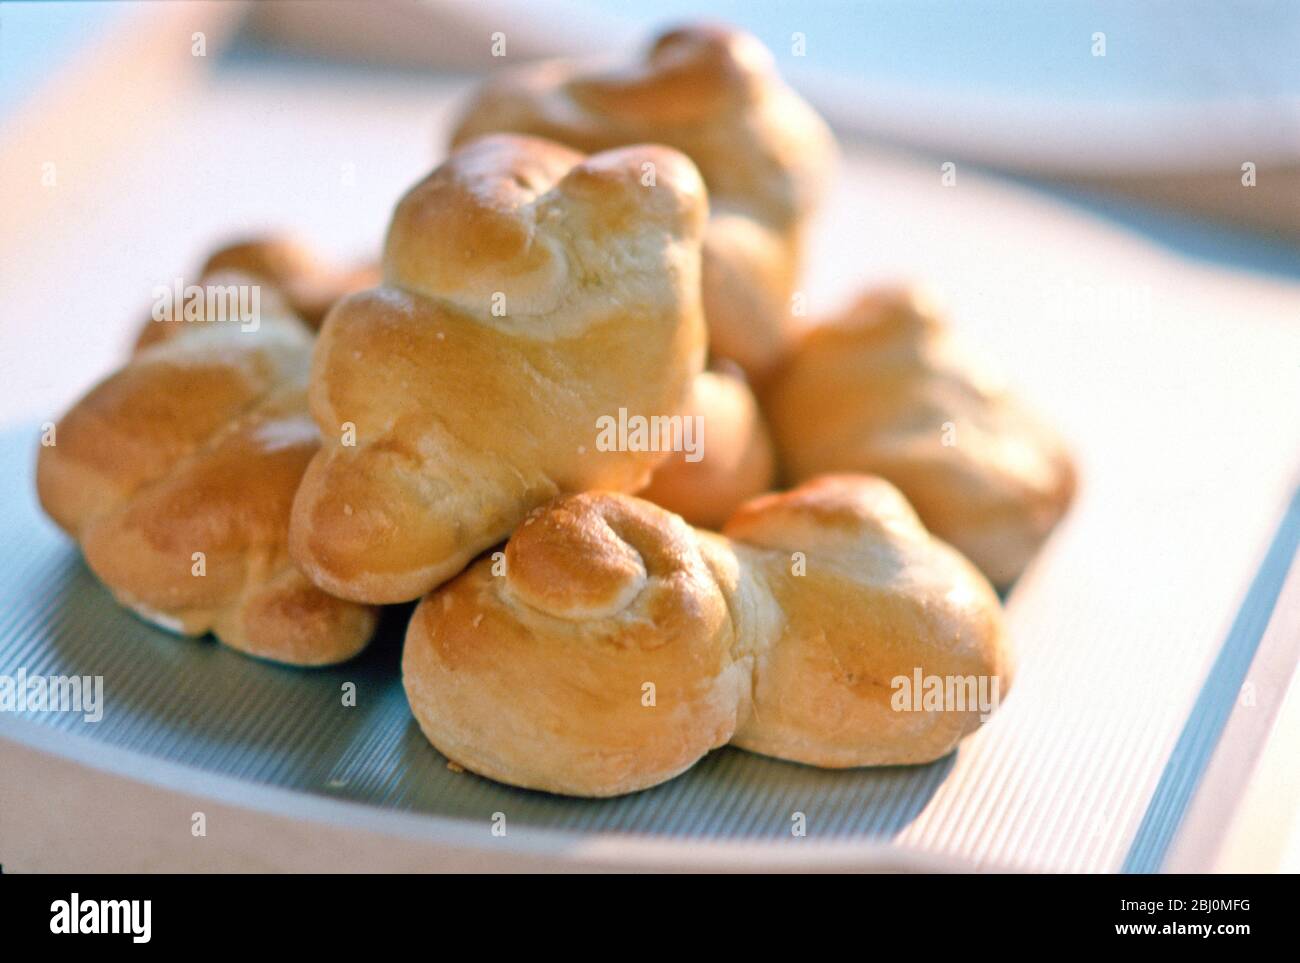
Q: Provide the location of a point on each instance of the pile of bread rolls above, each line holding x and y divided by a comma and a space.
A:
593, 618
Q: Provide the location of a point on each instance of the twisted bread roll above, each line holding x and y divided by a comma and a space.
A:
714, 94
884, 389
176, 475
529, 292
310, 284
296, 275
733, 460
620, 645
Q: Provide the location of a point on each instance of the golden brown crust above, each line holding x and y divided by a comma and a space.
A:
310, 284
613, 646
287, 270
537, 677
176, 475
734, 461
881, 600
529, 292
714, 94
883, 389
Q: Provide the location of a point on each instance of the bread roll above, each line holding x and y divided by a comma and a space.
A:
732, 460
305, 284
614, 645
714, 94
529, 293
176, 475
883, 388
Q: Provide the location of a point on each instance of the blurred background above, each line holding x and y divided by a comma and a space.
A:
1124, 236
1086, 92
1146, 116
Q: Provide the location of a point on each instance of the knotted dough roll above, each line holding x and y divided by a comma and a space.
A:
714, 94
613, 645
529, 293
177, 473
306, 284
884, 388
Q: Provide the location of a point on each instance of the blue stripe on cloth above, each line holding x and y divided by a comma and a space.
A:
1215, 703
